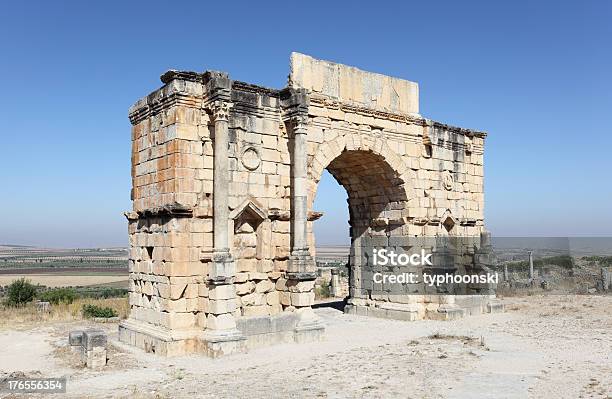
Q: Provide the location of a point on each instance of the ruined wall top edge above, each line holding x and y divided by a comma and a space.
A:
353, 85
362, 91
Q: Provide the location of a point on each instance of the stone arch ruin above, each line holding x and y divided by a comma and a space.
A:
224, 177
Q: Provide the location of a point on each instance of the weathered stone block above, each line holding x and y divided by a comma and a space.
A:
178, 320
273, 298
217, 292
258, 276
302, 298
222, 306
95, 358
285, 298
253, 299
246, 265
265, 286
241, 277
221, 322
94, 338
259, 310
300, 286
245, 288
75, 338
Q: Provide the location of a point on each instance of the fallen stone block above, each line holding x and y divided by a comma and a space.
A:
75, 338
93, 345
94, 338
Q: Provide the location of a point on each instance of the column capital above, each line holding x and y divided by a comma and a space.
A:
220, 109
299, 123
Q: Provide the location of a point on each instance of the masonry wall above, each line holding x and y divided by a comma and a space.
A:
171, 173
171, 223
406, 176
260, 173
440, 169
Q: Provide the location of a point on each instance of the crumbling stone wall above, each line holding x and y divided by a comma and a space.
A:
224, 177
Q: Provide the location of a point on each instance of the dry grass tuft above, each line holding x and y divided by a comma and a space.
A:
12, 316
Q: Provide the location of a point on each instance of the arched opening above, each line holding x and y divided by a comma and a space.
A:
332, 230
333, 242
376, 199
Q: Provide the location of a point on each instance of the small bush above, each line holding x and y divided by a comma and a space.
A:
563, 261
20, 292
59, 295
101, 292
323, 291
113, 293
599, 260
97, 311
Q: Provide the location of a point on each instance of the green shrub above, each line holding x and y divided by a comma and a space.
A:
101, 292
599, 260
97, 311
323, 291
564, 261
20, 292
59, 295
113, 292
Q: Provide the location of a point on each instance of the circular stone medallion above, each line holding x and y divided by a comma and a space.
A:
250, 158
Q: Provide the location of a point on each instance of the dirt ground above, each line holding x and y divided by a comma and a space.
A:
541, 347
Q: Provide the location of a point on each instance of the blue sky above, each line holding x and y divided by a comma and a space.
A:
535, 75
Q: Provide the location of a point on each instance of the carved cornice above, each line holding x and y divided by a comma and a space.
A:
172, 210
189, 76
419, 221
285, 216
326, 102
251, 88
155, 106
294, 102
278, 214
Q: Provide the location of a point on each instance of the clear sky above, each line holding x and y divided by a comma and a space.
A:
534, 74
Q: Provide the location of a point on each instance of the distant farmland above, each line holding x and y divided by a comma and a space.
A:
68, 280
64, 267
45, 260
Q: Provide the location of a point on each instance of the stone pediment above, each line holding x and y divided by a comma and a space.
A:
249, 207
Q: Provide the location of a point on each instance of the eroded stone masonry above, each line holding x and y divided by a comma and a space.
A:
224, 178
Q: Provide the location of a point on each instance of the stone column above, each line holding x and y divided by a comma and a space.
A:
606, 278
530, 265
356, 257
222, 336
223, 266
301, 270
301, 263
335, 283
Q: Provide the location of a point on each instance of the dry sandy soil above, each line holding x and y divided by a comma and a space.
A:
62, 280
542, 347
